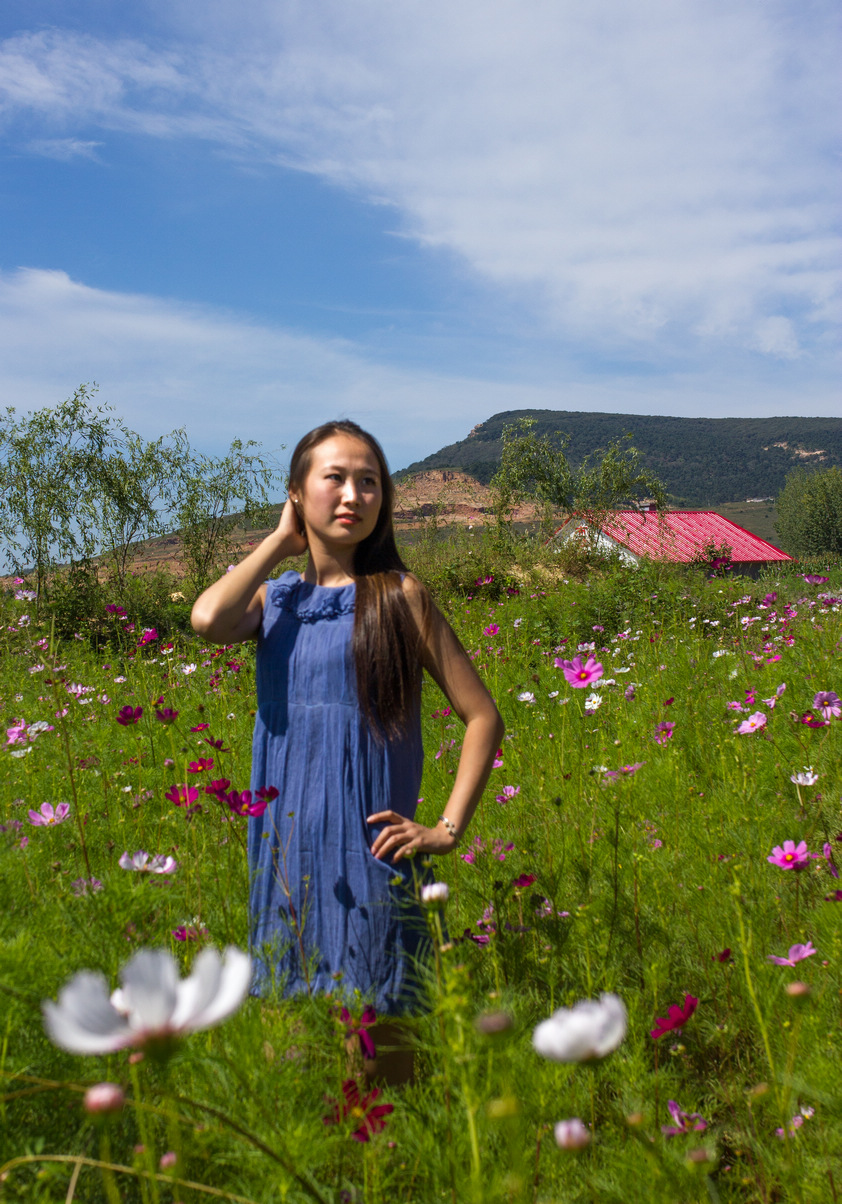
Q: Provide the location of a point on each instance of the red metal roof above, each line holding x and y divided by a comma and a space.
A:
680, 535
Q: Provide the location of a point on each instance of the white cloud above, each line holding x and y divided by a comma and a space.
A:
63, 149
658, 174
163, 364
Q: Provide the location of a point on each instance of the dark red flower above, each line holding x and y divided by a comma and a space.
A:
676, 1017
200, 727
524, 880
217, 744
354, 1027
266, 794
218, 788
129, 715
810, 720
166, 714
357, 1108
724, 956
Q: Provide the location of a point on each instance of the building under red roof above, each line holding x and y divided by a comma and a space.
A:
678, 535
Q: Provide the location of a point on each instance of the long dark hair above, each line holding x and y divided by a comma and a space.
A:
386, 641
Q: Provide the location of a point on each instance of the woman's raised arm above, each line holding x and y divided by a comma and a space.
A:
229, 611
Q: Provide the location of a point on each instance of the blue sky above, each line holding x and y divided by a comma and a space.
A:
246, 219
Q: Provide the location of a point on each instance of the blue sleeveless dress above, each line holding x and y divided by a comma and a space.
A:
326, 916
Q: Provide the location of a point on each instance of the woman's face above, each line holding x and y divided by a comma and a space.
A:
341, 494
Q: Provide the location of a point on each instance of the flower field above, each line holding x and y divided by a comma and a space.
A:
635, 987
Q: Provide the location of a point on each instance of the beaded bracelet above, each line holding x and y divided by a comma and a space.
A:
451, 827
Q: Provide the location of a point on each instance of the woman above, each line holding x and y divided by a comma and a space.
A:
340, 655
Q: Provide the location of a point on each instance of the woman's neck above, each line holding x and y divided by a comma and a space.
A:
329, 568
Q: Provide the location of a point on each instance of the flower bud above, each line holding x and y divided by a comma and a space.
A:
571, 1134
104, 1098
492, 1023
797, 989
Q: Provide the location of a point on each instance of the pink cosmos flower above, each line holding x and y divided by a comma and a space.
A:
683, 1122
663, 732
129, 715
507, 794
572, 1134
754, 723
200, 727
797, 953
815, 579
676, 1017
828, 702
49, 816
579, 673
790, 856
624, 770
491, 629
828, 856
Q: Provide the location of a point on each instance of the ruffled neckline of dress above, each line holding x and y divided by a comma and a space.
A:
309, 603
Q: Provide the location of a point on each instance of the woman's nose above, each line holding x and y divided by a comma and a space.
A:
350, 492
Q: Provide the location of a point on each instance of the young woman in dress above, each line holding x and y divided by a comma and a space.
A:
341, 649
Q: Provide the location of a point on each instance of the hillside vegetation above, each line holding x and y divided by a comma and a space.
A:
702, 461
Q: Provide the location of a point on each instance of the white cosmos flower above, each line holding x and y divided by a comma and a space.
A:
593, 702
526, 696
807, 778
591, 1029
152, 1004
435, 894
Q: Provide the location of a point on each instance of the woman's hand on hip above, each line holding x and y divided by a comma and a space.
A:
402, 837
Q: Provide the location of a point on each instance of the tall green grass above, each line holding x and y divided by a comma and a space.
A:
641, 884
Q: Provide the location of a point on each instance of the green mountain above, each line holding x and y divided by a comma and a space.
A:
702, 461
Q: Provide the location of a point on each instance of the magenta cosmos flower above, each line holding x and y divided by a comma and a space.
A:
828, 702
683, 1122
182, 796
754, 723
45, 815
663, 731
790, 856
362, 1110
676, 1017
797, 953
358, 1028
580, 673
